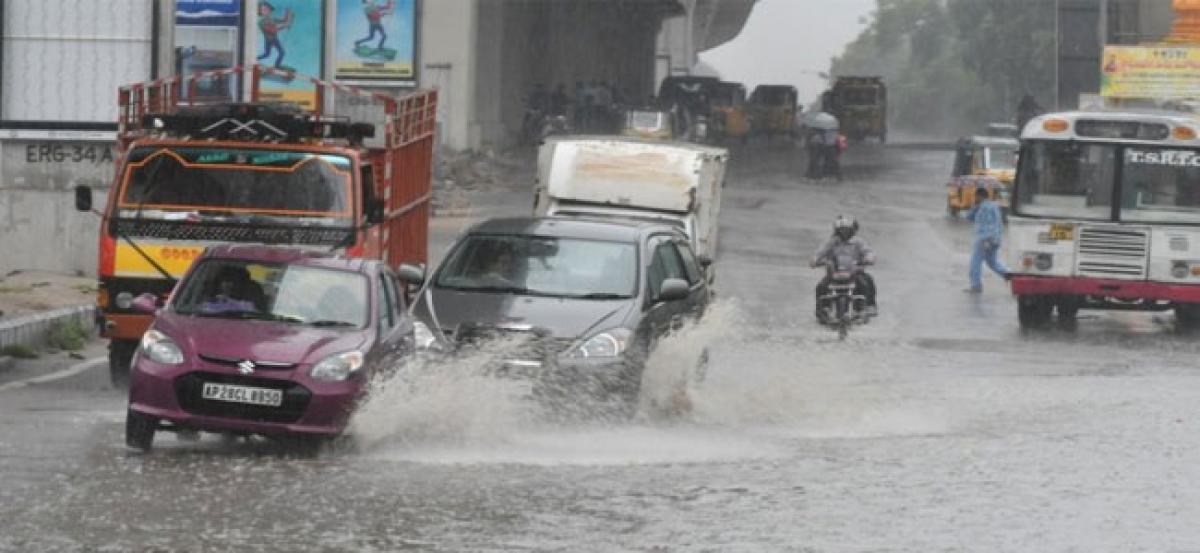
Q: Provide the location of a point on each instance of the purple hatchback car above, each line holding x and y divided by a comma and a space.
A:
266, 340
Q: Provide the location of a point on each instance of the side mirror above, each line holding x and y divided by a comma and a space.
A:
375, 211
146, 303
83, 198
674, 289
704, 260
411, 275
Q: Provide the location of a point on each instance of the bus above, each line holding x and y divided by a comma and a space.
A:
1105, 214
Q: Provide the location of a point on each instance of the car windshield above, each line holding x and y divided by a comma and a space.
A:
221, 181
541, 265
236, 289
1160, 185
1067, 179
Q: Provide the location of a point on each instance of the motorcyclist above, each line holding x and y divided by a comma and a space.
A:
845, 245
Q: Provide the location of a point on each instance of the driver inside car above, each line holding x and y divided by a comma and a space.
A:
845, 245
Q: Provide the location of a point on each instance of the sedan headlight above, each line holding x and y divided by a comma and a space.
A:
607, 344
159, 348
424, 337
337, 367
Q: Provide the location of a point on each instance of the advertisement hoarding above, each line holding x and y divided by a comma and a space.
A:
207, 37
375, 40
1160, 72
290, 38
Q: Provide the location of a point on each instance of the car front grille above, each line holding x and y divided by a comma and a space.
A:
1113, 252
188, 389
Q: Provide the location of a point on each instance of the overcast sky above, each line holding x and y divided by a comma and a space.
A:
789, 42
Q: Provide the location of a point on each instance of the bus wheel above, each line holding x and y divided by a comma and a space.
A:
1187, 316
120, 356
1068, 311
1033, 311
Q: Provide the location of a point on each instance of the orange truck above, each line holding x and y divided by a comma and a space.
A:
193, 175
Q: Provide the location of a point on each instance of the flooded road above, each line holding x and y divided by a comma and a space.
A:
939, 426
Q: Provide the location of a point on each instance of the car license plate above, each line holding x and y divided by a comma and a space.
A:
242, 394
1062, 231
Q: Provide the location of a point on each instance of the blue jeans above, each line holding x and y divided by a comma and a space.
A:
983, 253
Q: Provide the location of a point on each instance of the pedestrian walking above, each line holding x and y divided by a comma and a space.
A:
989, 227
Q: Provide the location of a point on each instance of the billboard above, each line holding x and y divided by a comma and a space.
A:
1162, 72
375, 40
208, 37
290, 38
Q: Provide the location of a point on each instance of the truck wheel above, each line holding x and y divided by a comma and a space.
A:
120, 357
139, 430
1033, 311
1068, 311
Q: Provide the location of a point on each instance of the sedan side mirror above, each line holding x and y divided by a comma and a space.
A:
83, 198
674, 289
411, 275
705, 261
146, 303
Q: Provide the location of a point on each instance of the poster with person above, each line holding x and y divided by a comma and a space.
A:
207, 38
375, 40
290, 39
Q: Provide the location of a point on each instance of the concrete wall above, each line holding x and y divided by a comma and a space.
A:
39, 227
447, 57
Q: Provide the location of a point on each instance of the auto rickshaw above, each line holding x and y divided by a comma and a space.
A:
773, 110
986, 161
730, 120
690, 99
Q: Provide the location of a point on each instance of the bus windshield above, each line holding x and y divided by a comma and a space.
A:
221, 181
1078, 180
1067, 179
1160, 185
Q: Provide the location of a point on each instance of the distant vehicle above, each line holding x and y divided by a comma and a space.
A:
588, 300
690, 98
266, 340
1106, 215
773, 110
673, 183
844, 305
649, 123
730, 118
1003, 130
193, 174
985, 161
860, 103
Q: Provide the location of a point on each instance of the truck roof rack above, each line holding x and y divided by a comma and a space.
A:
172, 108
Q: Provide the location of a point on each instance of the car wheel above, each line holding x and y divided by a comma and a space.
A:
120, 357
139, 430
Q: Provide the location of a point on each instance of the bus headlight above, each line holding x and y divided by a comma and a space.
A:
1179, 269
1043, 262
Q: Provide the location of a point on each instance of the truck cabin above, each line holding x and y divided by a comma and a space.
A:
775, 96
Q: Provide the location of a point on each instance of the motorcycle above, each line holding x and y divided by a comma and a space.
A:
843, 305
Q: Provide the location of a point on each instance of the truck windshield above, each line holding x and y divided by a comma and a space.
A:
220, 180
859, 96
1067, 179
540, 265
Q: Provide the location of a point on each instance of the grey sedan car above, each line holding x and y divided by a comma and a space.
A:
594, 296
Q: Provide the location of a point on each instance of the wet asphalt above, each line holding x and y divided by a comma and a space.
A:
939, 426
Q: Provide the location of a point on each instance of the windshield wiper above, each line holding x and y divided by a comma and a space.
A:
329, 322
600, 296
249, 315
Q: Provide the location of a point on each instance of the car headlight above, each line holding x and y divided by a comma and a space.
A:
610, 343
337, 367
159, 348
424, 337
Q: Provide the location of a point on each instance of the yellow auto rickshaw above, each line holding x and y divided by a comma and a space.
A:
986, 161
730, 120
773, 110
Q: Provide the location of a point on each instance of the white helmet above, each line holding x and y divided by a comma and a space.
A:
845, 227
